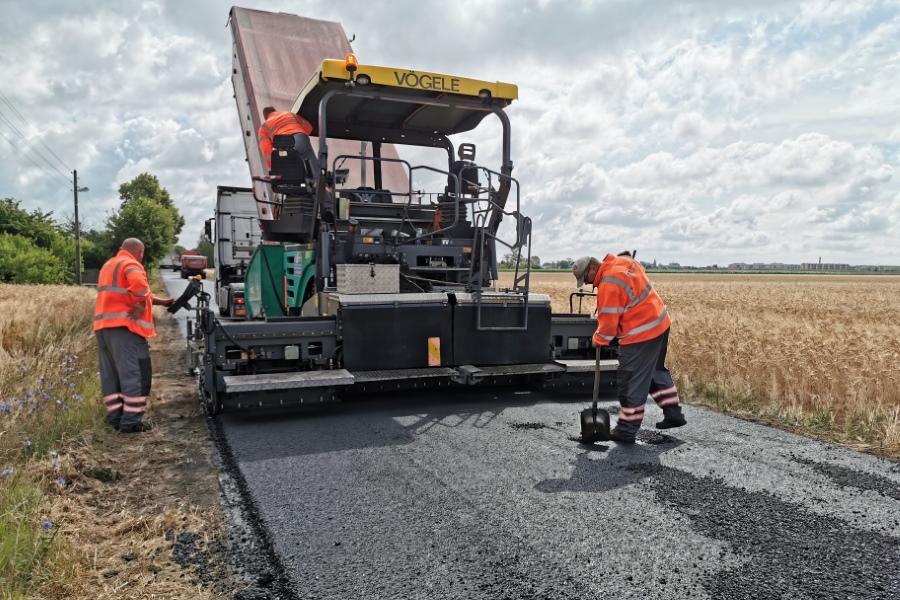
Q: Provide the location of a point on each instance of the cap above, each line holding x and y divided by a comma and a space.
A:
580, 268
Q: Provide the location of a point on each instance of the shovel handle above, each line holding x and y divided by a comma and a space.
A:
596, 381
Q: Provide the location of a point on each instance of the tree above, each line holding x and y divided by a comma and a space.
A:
205, 247
23, 261
146, 220
35, 225
146, 185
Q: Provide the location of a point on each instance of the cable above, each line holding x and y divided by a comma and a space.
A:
6, 120
21, 118
50, 175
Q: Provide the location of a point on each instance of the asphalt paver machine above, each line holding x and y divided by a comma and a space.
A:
380, 273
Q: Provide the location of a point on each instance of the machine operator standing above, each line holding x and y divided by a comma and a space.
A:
123, 321
629, 309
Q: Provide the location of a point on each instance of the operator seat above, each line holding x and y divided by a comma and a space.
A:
466, 171
296, 173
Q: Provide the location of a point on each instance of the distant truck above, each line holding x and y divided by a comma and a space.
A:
171, 261
235, 234
192, 263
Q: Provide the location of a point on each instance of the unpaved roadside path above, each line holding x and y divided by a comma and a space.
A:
143, 511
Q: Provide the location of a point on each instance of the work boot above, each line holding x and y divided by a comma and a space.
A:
619, 436
671, 422
136, 428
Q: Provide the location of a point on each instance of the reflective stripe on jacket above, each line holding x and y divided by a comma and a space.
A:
279, 123
121, 285
628, 308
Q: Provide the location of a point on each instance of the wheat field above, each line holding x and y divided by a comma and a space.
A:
817, 354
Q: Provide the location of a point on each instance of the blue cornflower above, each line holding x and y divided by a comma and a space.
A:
69, 369
41, 378
60, 482
47, 525
54, 464
23, 369
19, 432
54, 453
65, 380
29, 395
65, 407
27, 442
7, 471
5, 407
71, 385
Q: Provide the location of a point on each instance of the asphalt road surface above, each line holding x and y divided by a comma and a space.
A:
486, 494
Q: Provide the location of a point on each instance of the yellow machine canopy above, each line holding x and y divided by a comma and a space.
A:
397, 105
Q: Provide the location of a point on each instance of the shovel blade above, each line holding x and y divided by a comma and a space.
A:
594, 429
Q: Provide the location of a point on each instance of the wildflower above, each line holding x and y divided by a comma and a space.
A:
65, 407
5, 407
69, 369
19, 432
59, 401
42, 378
7, 471
54, 464
47, 525
65, 380
54, 453
60, 482
29, 395
72, 385
22, 369
27, 442
97, 373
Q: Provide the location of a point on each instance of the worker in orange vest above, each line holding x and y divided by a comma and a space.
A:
123, 321
286, 123
630, 310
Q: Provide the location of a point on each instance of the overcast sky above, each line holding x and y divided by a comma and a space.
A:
698, 132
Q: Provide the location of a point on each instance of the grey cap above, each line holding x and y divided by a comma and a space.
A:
580, 268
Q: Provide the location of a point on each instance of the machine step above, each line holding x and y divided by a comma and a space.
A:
235, 384
587, 366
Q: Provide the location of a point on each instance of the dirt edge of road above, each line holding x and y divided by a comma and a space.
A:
161, 514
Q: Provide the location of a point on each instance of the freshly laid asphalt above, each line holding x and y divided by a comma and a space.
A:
486, 493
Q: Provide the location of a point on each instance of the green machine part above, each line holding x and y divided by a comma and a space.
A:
278, 278
299, 274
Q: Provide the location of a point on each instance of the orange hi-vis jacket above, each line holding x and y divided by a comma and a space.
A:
279, 123
628, 308
122, 284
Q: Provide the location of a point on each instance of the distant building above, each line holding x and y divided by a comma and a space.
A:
820, 266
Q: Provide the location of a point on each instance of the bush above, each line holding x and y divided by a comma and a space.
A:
22, 261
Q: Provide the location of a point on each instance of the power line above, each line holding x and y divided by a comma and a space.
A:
6, 120
48, 174
21, 118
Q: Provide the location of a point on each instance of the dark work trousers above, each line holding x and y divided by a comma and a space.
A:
642, 372
125, 375
303, 145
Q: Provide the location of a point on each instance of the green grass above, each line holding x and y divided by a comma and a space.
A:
26, 544
49, 398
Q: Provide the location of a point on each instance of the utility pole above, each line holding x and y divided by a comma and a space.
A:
77, 230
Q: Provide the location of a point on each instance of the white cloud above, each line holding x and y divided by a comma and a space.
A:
703, 131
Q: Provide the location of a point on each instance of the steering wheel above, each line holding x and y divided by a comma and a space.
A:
193, 288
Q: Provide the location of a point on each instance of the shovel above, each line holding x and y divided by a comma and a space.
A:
595, 421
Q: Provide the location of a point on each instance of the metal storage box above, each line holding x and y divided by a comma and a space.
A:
368, 279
